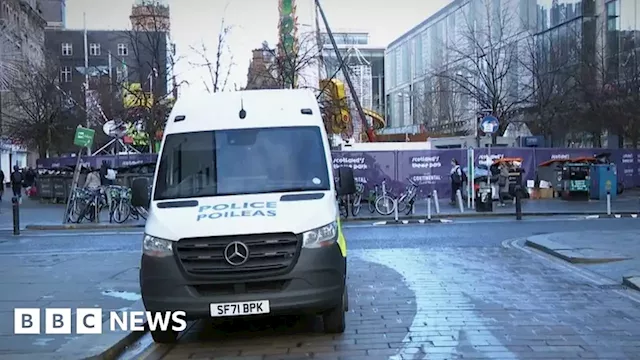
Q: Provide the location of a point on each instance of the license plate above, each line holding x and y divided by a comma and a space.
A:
240, 308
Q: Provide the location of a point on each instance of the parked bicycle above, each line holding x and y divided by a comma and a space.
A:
125, 210
86, 204
380, 200
356, 203
385, 204
351, 201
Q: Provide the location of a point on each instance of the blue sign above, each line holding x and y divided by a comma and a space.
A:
236, 210
489, 124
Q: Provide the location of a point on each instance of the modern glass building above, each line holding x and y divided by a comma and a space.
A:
412, 60
565, 33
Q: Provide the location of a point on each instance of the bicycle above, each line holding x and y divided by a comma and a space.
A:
356, 203
371, 199
87, 204
120, 206
384, 203
407, 199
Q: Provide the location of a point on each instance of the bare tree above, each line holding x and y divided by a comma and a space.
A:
36, 112
440, 106
153, 70
620, 72
628, 123
549, 72
607, 84
482, 59
290, 66
215, 66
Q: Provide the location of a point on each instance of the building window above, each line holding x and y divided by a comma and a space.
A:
94, 49
67, 49
65, 74
123, 50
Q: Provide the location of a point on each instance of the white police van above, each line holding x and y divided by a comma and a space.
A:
243, 219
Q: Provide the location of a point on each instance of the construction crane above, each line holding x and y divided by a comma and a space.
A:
356, 100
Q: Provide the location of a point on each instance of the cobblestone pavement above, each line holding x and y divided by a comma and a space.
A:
445, 303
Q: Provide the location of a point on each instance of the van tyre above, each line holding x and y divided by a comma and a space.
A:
164, 337
334, 320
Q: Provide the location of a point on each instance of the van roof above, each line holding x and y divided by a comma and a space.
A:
264, 108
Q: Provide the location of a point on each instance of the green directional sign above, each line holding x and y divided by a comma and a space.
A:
84, 136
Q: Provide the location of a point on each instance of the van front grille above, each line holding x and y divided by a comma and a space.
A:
268, 254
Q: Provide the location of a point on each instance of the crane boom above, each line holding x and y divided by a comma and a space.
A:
347, 77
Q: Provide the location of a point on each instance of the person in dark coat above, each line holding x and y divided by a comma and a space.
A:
17, 179
2, 184
104, 169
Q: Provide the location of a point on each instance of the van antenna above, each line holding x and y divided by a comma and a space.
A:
242, 114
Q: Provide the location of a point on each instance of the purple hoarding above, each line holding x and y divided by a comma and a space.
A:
637, 174
543, 155
370, 167
429, 168
96, 161
625, 166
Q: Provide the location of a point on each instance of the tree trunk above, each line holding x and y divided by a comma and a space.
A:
42, 151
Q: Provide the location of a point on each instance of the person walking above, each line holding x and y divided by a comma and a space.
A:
457, 179
17, 179
3, 184
503, 183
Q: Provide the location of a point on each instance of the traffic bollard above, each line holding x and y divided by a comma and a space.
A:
16, 215
518, 199
395, 209
436, 202
608, 203
459, 197
429, 207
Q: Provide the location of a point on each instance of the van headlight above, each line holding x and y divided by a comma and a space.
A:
323, 236
156, 247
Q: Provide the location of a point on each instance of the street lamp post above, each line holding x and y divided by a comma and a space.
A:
152, 74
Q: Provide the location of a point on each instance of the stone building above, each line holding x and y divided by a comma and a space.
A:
150, 15
261, 74
22, 40
54, 12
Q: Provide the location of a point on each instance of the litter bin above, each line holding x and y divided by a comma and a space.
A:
484, 198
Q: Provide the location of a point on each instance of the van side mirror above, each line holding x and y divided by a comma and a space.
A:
346, 184
140, 192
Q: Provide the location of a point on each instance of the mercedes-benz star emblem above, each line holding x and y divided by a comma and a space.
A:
236, 253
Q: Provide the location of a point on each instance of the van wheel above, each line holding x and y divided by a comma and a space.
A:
334, 320
164, 337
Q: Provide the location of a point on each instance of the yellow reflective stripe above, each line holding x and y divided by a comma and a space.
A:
342, 242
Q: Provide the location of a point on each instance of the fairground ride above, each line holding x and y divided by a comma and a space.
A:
338, 104
335, 91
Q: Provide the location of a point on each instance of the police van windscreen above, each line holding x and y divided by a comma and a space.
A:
242, 161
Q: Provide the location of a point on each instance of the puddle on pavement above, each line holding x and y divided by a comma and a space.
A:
125, 295
42, 341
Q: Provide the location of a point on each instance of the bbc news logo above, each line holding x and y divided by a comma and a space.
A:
89, 321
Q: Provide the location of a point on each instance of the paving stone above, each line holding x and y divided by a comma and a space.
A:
445, 303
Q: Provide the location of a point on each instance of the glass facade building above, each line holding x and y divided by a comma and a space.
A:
564, 32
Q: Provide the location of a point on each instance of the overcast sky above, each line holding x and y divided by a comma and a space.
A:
198, 21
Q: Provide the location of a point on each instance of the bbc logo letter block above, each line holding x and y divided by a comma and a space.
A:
89, 321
